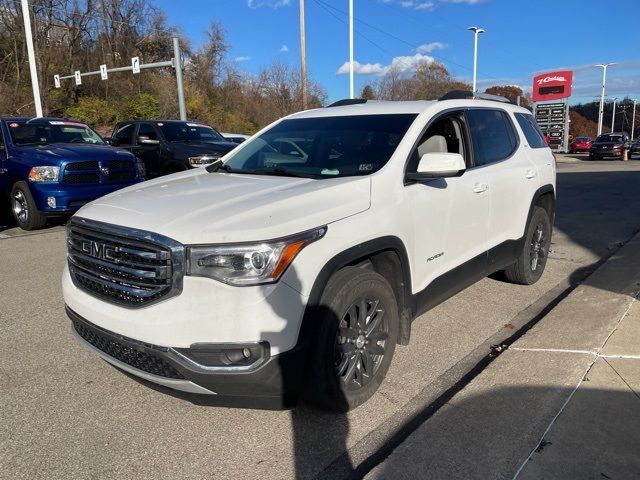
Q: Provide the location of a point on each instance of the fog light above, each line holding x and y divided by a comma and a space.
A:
51, 201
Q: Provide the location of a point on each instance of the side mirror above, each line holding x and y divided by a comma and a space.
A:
438, 165
147, 141
107, 140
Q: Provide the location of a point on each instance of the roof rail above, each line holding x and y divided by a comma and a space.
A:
347, 101
466, 94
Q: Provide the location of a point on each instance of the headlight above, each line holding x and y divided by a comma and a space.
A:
140, 170
249, 264
44, 174
200, 160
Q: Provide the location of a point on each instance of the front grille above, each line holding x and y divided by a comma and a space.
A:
123, 266
122, 176
76, 178
90, 165
139, 358
121, 165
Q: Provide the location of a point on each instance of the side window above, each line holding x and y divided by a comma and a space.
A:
1, 137
123, 134
493, 136
531, 130
446, 135
146, 130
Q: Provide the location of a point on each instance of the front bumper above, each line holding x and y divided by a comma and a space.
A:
69, 198
277, 377
606, 153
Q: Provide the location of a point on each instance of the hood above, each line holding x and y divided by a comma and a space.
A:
201, 207
53, 154
202, 147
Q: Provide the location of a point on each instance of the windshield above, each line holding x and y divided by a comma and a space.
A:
583, 139
609, 138
44, 132
323, 147
189, 132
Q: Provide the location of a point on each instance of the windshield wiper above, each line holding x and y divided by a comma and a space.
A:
281, 172
219, 165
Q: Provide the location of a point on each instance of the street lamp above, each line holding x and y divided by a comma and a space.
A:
604, 80
476, 31
633, 120
613, 116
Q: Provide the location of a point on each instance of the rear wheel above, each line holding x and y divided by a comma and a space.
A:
358, 329
530, 265
24, 209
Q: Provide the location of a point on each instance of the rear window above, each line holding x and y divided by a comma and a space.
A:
532, 131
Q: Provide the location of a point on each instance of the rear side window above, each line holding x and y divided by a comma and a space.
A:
147, 131
532, 131
493, 136
124, 134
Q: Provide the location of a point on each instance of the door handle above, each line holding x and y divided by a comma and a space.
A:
480, 187
530, 174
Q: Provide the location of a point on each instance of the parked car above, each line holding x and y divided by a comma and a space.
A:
52, 166
580, 145
609, 145
169, 146
269, 271
635, 149
235, 137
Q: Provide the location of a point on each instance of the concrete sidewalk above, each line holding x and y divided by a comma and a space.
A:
562, 402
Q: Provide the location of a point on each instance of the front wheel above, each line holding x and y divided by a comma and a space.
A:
358, 330
24, 209
530, 265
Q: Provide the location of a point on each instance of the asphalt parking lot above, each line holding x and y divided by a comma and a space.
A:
64, 413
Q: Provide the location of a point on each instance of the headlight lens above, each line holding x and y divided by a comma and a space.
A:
249, 264
141, 171
200, 160
44, 174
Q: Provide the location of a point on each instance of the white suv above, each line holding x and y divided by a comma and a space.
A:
297, 263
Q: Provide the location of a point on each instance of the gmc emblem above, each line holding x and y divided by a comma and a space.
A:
98, 250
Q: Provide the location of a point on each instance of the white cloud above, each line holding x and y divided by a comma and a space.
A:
242, 59
468, 2
268, 3
284, 49
430, 47
402, 64
413, 4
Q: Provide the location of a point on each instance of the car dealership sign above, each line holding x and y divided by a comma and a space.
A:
552, 86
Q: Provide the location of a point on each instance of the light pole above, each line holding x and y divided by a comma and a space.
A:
613, 116
303, 57
351, 87
604, 81
633, 119
476, 31
32, 58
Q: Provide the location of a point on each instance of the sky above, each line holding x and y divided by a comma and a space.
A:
522, 38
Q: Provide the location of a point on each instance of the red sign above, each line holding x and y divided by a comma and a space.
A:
552, 86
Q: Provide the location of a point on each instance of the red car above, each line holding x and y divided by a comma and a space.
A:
580, 144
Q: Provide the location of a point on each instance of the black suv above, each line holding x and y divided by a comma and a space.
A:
169, 146
609, 145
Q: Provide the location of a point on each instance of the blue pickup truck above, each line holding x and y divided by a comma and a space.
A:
53, 166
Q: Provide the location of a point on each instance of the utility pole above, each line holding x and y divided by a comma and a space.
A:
633, 119
604, 81
476, 31
177, 63
303, 57
351, 87
32, 58
613, 116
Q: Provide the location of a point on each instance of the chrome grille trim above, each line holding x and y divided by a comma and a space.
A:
124, 266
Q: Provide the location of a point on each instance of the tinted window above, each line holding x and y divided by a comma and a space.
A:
323, 147
146, 130
189, 132
124, 134
43, 132
609, 138
532, 131
492, 134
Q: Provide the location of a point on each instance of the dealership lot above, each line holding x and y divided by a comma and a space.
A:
67, 414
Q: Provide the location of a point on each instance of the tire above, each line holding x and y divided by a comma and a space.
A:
345, 344
530, 265
24, 209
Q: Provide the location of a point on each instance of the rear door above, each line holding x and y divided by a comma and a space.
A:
512, 178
